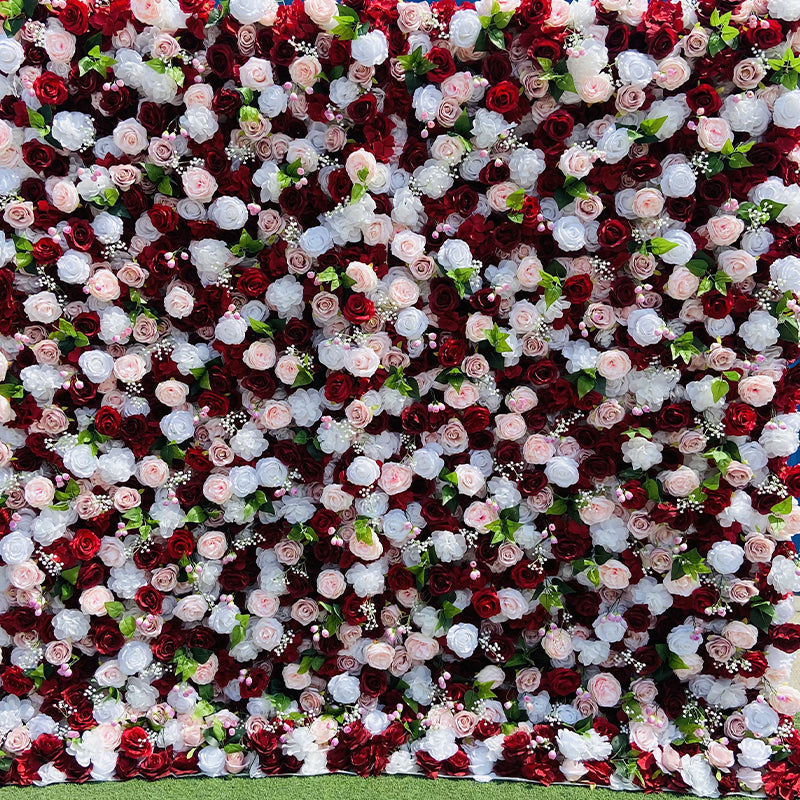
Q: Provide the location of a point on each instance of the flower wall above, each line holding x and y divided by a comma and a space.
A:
400, 388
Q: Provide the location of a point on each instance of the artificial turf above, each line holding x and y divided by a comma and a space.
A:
322, 787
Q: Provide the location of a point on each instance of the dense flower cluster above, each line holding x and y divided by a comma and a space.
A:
400, 387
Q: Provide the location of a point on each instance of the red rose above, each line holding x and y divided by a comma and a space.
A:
740, 419
149, 599
578, 288
46, 251
135, 742
74, 16
16, 682
444, 64
50, 89
164, 218
503, 97
786, 637
358, 309
107, 421
85, 545
339, 387
486, 603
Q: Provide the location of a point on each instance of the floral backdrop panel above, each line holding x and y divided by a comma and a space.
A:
400, 388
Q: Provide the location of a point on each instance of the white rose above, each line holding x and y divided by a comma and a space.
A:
344, 688
462, 639
70, 625
97, 365
363, 471
178, 426
228, 213
74, 267
316, 241
11, 55
562, 471
786, 111
725, 557
642, 453
134, 657
570, 233
678, 180
249, 11
645, 326
370, 49
465, 26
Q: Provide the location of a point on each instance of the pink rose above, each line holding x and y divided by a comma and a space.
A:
605, 689
212, 545
614, 574
538, 449
262, 604
331, 584
756, 390
421, 648
199, 184
217, 489
681, 482
379, 655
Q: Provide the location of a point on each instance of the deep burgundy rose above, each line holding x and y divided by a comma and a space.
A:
661, 41
253, 282
338, 387
220, 58
562, 682
503, 97
38, 155
364, 109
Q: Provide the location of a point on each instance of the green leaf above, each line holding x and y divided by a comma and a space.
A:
35, 119
12, 391
114, 609
585, 384
498, 339
650, 127
783, 507
71, 575
762, 613
261, 328
359, 190
303, 378
739, 161
127, 627
364, 532
497, 38
719, 388
515, 200
196, 515
463, 126
659, 246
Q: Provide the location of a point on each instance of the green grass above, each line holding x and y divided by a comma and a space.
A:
323, 787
